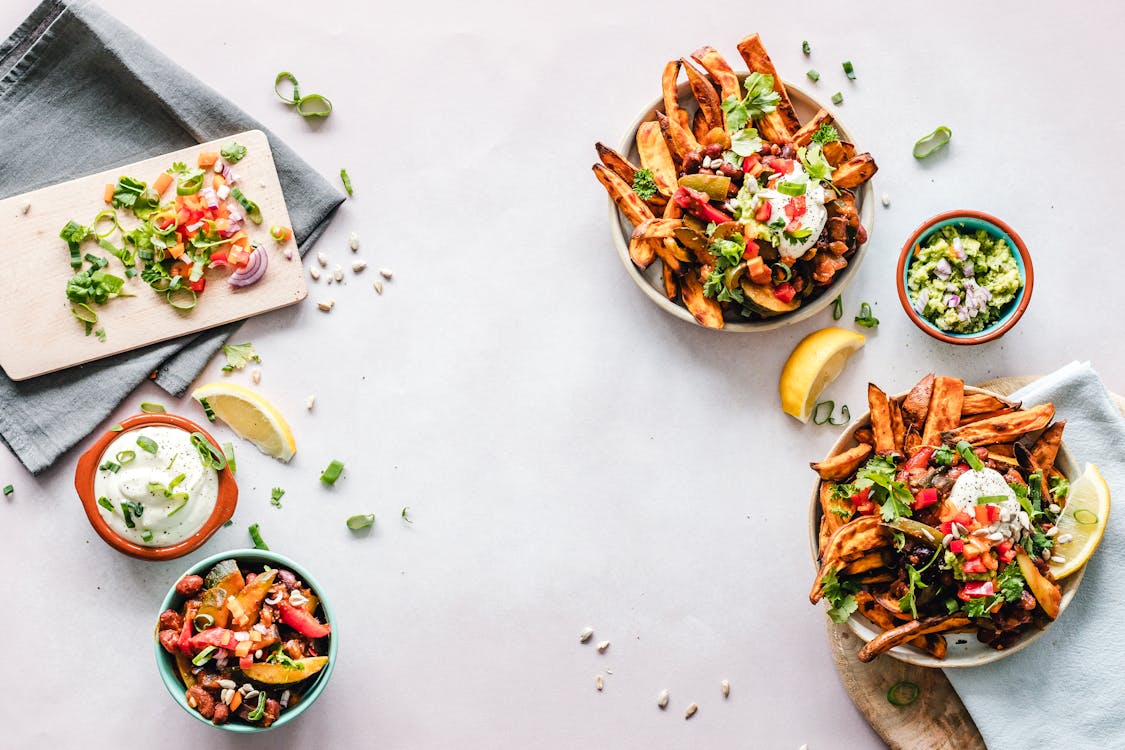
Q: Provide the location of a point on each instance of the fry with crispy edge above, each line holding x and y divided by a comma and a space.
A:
864, 435
705, 94
707, 311
849, 542
881, 426
978, 402
838, 152
985, 415
720, 71
1027, 461
835, 513
679, 139
916, 405
932, 644
887, 640
944, 412
635, 209
655, 157
669, 85
671, 283
1046, 448
855, 171
617, 163
642, 251
777, 126
898, 427
839, 467
1002, 429
803, 137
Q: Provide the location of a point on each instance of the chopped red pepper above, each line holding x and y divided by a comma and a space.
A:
963, 518
781, 166
244, 662
925, 498
974, 566
750, 162
795, 208
217, 637
762, 214
862, 497
197, 286
751, 250
957, 546
785, 292
976, 590
301, 621
1007, 553
946, 528
993, 512
698, 204
184, 644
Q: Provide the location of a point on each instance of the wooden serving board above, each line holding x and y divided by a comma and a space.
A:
41, 335
937, 720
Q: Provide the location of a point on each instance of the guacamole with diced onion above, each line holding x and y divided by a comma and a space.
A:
961, 281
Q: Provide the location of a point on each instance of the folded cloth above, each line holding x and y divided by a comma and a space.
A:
1068, 688
80, 92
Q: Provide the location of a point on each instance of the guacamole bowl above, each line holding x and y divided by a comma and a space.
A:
968, 222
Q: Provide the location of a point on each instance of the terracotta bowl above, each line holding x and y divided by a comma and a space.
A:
970, 652
972, 221
84, 483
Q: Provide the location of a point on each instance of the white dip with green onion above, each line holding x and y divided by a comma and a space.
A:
153, 488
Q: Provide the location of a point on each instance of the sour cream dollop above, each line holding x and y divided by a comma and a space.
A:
173, 489
973, 485
796, 214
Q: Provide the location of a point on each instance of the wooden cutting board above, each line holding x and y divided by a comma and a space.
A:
937, 720
40, 333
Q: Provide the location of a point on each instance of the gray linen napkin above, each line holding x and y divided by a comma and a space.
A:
1068, 688
80, 92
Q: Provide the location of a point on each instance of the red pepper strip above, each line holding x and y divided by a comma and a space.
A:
957, 546
920, 459
197, 286
785, 292
697, 203
925, 498
993, 512
184, 644
976, 590
217, 637
301, 621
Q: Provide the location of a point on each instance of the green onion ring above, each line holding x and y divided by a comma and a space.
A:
829, 405
125, 457
320, 107
865, 317
912, 693
203, 621
110, 214
792, 189
147, 444
151, 407
935, 141
361, 521
971, 458
116, 428
344, 178
845, 416
180, 301
208, 453
1085, 514
110, 466
84, 313
253, 212
781, 272
204, 656
191, 185
838, 307
256, 538
285, 75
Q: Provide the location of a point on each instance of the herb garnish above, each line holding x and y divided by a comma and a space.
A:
275, 496
840, 595
256, 537
233, 152
644, 184
865, 318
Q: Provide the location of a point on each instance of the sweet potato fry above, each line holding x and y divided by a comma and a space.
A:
699, 126
704, 309
642, 250
835, 513
1027, 462
653, 228
855, 171
884, 642
1002, 429
868, 562
804, 136
898, 427
912, 441
1046, 448
670, 87
944, 411
978, 417
881, 426
917, 402
666, 251
655, 157
631, 205
841, 466
617, 163
838, 152
705, 94
864, 435
680, 140
671, 283
783, 121
849, 542
976, 402
719, 70
932, 644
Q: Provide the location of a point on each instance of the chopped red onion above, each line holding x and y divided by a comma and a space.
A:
921, 300
968, 269
254, 269
943, 270
958, 249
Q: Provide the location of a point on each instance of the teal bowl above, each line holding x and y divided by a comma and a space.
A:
167, 665
970, 221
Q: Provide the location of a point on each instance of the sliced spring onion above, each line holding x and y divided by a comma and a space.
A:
125, 457
203, 621
116, 428
157, 488
207, 410
183, 497
813, 75
935, 141
405, 517
151, 407
314, 105
838, 307
75, 255
791, 188
146, 535
228, 522
781, 272
1085, 517
971, 458
129, 510
176, 481
147, 444
288, 77
8, 489
228, 453
84, 313
204, 656
849, 69
100, 333
253, 212
110, 466
110, 215
259, 709
991, 499
805, 47
822, 414
180, 297
837, 98
208, 453
361, 521
903, 693
332, 473
346, 180
865, 318
191, 185
256, 538
106, 503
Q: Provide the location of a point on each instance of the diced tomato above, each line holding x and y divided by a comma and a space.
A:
796, 207
946, 528
198, 286
865, 509
975, 590
925, 498
1006, 552
974, 566
963, 518
957, 546
863, 497
244, 662
751, 250
782, 166
920, 459
993, 513
302, 621
750, 162
762, 214
184, 644
217, 637
785, 292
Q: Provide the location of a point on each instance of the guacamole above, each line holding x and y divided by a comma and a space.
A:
961, 281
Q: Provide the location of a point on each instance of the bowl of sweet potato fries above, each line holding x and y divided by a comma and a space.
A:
738, 202
932, 523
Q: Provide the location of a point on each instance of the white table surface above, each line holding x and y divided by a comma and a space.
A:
571, 455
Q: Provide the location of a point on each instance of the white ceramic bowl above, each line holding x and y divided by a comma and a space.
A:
972, 653
649, 279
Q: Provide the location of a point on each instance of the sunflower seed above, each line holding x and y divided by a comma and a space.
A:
1060, 559
586, 634
227, 684
945, 540
886, 199
226, 695
726, 688
662, 700
1054, 507
309, 402
288, 253
353, 241
1063, 538
322, 259
327, 305
250, 695
378, 287
386, 273
256, 375
25, 207
284, 701
690, 712
995, 536
314, 272
338, 273
1025, 520
358, 266
599, 683
1053, 531
603, 647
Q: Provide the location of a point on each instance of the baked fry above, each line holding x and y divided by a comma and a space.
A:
835, 512
780, 124
838, 152
679, 139
887, 640
656, 157
705, 95
841, 466
864, 435
803, 136
616, 163
671, 283
1046, 448
635, 209
898, 427
881, 426
707, 311
849, 542
1002, 429
977, 402
670, 87
720, 71
916, 405
944, 412
855, 171
642, 251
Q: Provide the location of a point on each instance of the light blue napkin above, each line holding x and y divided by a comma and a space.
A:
1067, 689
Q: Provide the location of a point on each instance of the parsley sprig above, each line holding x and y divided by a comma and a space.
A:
840, 595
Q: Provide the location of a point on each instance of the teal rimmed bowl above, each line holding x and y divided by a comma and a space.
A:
971, 221
166, 664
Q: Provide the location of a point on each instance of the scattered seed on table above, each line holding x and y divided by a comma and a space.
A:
25, 207
314, 272
322, 259
326, 305
662, 699
353, 241
599, 683
603, 647
725, 684
386, 273
309, 402
587, 633
256, 375
378, 287
338, 273
328, 278
886, 199
358, 266
690, 712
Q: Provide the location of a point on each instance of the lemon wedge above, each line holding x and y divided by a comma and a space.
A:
251, 416
1082, 522
814, 363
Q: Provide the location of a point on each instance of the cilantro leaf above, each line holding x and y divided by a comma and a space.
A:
913, 582
826, 133
745, 142
737, 115
812, 158
760, 98
239, 355
840, 595
233, 152
893, 497
644, 184
944, 456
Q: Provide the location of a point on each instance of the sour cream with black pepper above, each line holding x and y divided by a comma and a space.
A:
973, 485
155, 499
